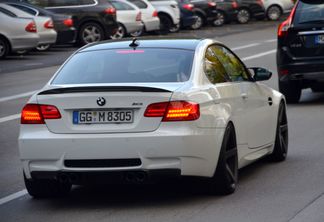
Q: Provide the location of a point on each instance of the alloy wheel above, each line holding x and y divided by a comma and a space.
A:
91, 34
274, 13
243, 16
119, 34
231, 160
2, 49
220, 19
199, 22
283, 131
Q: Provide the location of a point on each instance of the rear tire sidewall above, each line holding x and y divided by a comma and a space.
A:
5, 48
243, 16
123, 32
274, 8
81, 39
199, 22
165, 24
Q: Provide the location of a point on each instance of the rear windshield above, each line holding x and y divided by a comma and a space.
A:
309, 12
127, 66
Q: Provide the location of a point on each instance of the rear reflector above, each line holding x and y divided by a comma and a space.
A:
284, 72
36, 114
31, 27
155, 14
68, 22
110, 11
49, 24
211, 4
189, 7
174, 111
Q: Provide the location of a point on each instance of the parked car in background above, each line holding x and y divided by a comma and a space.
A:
168, 13
150, 17
94, 20
16, 33
63, 24
207, 13
187, 17
227, 11
44, 25
248, 9
275, 8
129, 18
300, 52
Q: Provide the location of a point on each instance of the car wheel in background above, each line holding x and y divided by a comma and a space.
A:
274, 13
175, 28
199, 22
165, 24
4, 48
43, 47
138, 33
281, 144
226, 175
291, 90
121, 32
220, 20
243, 16
42, 188
91, 32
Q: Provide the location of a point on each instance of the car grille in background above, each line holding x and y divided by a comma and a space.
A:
103, 163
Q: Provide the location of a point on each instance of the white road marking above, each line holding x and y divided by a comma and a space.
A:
8, 118
245, 46
34, 64
18, 96
259, 55
13, 196
271, 40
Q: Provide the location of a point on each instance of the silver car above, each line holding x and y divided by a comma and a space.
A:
16, 33
129, 18
44, 24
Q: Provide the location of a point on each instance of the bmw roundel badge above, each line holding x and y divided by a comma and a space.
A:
101, 101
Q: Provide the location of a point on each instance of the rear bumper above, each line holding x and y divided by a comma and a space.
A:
133, 26
65, 37
152, 25
188, 21
24, 43
194, 152
48, 37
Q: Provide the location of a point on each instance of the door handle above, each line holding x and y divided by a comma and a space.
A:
270, 101
244, 96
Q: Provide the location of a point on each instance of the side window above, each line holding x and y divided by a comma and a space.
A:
140, 4
233, 66
213, 68
25, 9
5, 11
121, 6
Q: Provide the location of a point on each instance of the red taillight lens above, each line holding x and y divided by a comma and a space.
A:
284, 72
36, 114
155, 14
260, 2
284, 26
110, 11
234, 4
188, 6
174, 111
31, 27
68, 22
211, 4
139, 17
49, 24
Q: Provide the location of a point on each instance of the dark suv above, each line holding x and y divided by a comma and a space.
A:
300, 54
95, 20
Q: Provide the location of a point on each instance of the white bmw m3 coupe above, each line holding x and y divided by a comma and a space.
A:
138, 111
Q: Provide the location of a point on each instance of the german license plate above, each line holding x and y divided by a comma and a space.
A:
103, 117
319, 39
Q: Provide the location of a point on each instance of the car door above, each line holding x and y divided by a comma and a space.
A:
256, 101
228, 93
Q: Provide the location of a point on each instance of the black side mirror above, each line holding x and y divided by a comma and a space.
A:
260, 74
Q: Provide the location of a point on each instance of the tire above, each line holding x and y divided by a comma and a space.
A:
199, 22
221, 19
90, 32
138, 33
121, 32
291, 90
243, 16
175, 28
281, 143
274, 13
43, 48
165, 24
4, 48
225, 178
42, 188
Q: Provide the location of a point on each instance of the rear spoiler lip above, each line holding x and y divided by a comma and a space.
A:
101, 89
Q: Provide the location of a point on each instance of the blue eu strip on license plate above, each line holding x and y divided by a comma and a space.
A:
75, 117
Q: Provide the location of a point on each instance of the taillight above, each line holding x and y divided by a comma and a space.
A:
284, 72
188, 6
173, 111
110, 11
68, 22
211, 4
234, 5
139, 17
284, 26
155, 14
36, 114
49, 24
31, 27
260, 2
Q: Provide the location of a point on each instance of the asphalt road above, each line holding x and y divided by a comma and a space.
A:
268, 192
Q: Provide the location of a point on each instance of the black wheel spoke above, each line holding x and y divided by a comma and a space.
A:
283, 128
230, 153
230, 173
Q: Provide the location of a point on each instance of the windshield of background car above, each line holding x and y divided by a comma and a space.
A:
309, 12
127, 66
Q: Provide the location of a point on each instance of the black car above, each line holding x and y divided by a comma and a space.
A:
206, 12
63, 24
227, 11
95, 20
248, 9
300, 54
187, 16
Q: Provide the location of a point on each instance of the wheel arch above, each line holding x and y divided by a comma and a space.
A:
7, 41
276, 4
165, 14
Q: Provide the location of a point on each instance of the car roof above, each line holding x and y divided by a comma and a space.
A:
188, 44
